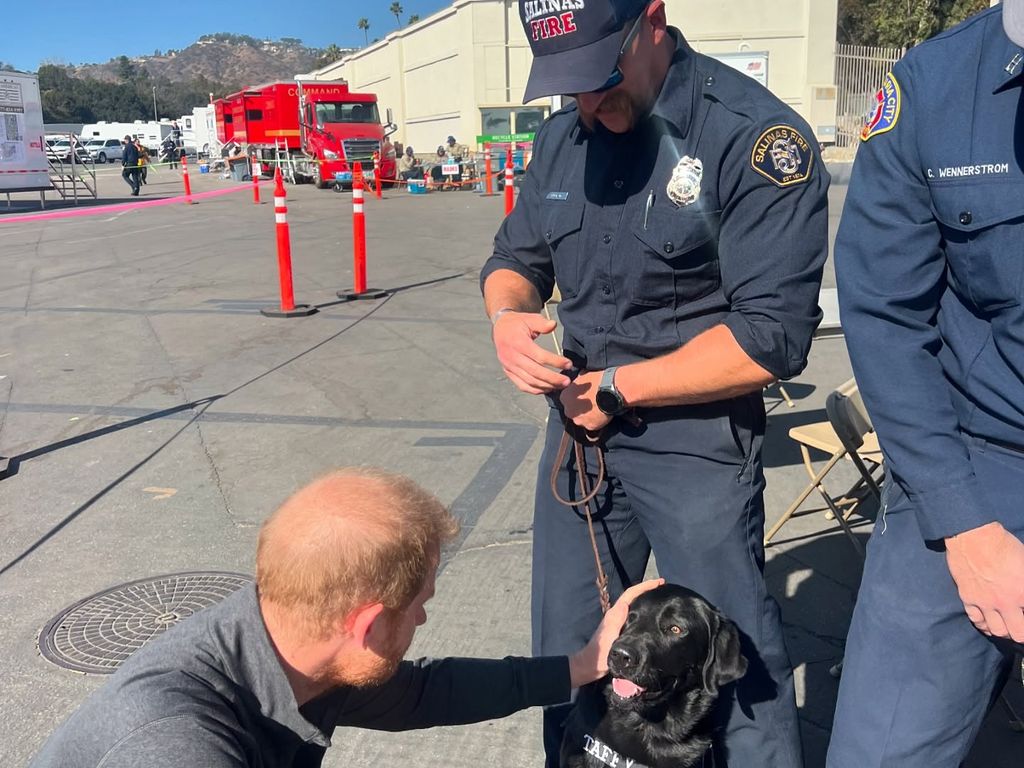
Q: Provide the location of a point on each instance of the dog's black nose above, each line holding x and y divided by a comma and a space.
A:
622, 657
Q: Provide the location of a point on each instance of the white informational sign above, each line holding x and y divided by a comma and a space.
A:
751, 63
23, 165
450, 169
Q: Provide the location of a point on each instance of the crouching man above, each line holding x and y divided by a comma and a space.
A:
344, 570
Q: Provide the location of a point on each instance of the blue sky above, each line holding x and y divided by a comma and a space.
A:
68, 32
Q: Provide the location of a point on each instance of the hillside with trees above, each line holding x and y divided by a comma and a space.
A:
122, 89
222, 57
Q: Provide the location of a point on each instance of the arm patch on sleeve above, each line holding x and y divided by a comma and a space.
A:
782, 156
887, 109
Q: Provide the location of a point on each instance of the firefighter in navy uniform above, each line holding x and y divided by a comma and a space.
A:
929, 263
682, 210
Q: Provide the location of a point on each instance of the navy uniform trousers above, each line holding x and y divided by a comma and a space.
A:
918, 678
704, 520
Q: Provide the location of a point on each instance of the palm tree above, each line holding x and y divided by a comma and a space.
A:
414, 18
364, 24
330, 54
397, 10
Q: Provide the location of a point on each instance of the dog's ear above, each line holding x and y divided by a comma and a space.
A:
725, 662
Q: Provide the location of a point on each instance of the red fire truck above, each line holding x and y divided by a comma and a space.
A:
316, 131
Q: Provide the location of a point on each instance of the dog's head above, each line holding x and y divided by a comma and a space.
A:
673, 642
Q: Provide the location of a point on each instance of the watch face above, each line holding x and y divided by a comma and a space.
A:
608, 401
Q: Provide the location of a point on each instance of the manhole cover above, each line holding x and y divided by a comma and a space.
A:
98, 633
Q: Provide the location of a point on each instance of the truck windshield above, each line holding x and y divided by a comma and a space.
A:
346, 112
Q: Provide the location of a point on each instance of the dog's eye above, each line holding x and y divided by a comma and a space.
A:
675, 630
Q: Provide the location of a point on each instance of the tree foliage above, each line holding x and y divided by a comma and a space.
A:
900, 23
331, 54
364, 24
228, 37
69, 99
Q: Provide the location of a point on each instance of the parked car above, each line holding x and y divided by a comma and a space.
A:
60, 151
105, 150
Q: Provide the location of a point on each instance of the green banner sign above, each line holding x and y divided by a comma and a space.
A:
505, 138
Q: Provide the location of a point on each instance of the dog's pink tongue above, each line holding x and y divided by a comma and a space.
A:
627, 689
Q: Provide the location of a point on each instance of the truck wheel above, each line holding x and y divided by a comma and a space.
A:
102, 158
317, 181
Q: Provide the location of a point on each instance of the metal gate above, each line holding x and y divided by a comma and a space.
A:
860, 70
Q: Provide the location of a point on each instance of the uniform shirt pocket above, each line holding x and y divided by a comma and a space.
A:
981, 230
560, 228
677, 259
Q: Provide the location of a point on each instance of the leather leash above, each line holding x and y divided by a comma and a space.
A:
579, 439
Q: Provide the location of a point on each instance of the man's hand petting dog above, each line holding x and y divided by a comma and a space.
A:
591, 663
655, 709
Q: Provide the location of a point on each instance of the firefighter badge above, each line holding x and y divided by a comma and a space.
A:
684, 186
782, 156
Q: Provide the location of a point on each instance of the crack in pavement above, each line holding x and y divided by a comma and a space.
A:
186, 398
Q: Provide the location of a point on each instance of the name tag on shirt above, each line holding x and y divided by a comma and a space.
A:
558, 196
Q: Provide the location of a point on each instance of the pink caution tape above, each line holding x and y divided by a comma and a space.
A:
97, 210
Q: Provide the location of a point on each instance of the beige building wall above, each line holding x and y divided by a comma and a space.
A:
438, 74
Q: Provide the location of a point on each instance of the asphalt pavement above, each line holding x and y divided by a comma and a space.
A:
153, 418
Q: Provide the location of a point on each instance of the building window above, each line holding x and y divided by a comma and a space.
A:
528, 120
496, 122
254, 114
501, 121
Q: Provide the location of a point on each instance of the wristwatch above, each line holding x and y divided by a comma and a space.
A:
608, 398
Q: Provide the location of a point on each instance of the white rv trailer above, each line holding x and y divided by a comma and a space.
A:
198, 130
150, 132
23, 166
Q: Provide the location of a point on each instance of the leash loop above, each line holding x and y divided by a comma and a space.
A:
579, 439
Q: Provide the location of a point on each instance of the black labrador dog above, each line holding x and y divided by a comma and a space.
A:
654, 709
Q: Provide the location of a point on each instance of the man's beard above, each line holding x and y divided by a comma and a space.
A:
619, 103
371, 669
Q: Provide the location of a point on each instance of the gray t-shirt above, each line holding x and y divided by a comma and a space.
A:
211, 693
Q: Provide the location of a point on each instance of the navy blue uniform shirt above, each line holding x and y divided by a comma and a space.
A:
641, 275
930, 261
130, 158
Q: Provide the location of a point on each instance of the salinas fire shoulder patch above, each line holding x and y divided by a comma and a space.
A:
783, 156
884, 116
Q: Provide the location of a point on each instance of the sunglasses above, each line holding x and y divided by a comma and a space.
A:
617, 76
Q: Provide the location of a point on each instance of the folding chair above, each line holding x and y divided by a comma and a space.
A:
847, 434
849, 418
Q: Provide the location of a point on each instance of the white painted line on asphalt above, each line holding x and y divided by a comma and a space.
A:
117, 215
114, 234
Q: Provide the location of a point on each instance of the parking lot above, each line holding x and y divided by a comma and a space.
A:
153, 418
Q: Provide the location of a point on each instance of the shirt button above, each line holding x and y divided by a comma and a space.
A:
600, 329
606, 239
709, 81
669, 247
618, 183
547, 235
606, 290
966, 217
